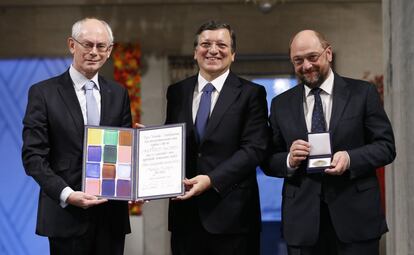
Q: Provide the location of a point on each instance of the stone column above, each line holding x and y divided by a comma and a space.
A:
398, 27
155, 80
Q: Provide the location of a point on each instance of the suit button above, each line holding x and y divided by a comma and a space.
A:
199, 155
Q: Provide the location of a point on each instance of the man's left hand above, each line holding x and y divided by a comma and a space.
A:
195, 186
340, 163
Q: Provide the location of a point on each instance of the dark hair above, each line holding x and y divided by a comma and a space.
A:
215, 25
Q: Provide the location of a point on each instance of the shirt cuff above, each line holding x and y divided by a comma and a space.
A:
349, 160
290, 170
64, 196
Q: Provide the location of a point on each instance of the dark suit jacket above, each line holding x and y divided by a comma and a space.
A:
233, 145
52, 153
359, 126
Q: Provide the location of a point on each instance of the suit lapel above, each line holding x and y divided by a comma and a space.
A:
230, 91
188, 93
68, 95
340, 99
297, 108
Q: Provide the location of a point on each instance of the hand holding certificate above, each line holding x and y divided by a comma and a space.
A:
195, 186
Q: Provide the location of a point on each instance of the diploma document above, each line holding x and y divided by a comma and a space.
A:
133, 164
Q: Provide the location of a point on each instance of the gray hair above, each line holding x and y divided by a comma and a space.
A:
76, 28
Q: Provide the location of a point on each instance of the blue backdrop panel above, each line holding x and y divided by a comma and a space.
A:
271, 242
269, 187
18, 192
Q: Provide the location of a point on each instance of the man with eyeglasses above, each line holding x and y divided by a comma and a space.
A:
219, 213
334, 209
53, 133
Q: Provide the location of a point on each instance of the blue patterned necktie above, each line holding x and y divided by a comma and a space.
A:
318, 119
203, 112
92, 113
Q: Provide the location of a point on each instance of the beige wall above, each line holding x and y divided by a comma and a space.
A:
354, 28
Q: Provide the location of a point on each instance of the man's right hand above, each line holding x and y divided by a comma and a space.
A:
139, 125
83, 200
298, 152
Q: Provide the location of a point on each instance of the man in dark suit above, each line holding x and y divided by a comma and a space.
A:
57, 110
220, 212
338, 210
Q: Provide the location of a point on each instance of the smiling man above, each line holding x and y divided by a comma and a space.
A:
336, 210
226, 138
57, 110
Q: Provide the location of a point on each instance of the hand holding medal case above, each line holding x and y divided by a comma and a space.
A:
320, 152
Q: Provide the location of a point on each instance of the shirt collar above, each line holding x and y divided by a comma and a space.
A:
79, 79
326, 86
217, 82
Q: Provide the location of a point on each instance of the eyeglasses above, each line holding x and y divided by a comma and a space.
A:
311, 57
209, 44
88, 46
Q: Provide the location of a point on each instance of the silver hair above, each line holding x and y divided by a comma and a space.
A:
76, 28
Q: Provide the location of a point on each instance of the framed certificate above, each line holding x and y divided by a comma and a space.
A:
133, 164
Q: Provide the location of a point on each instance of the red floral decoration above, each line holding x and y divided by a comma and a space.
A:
127, 71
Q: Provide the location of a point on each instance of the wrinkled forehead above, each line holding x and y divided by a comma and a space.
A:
305, 44
221, 34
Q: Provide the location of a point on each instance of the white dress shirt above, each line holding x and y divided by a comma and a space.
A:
326, 98
218, 85
79, 82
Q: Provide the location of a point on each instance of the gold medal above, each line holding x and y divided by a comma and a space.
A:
319, 163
